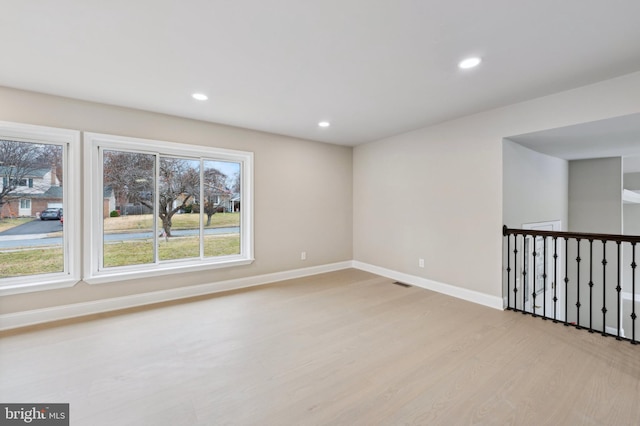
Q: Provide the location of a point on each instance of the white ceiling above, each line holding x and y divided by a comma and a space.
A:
373, 68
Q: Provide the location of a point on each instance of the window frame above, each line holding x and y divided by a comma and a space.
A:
94, 144
70, 141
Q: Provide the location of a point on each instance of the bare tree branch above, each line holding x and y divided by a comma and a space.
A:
215, 192
18, 162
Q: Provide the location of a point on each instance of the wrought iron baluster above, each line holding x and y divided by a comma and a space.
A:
555, 279
604, 287
619, 289
508, 271
578, 260
544, 278
633, 294
534, 279
566, 280
515, 272
524, 274
590, 286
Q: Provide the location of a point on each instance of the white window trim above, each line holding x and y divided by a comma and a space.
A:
72, 249
93, 207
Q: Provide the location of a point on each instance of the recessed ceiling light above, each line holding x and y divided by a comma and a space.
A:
324, 124
469, 63
200, 96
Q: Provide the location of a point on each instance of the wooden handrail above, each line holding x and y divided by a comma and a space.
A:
633, 239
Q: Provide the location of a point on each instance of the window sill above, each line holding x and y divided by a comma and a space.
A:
122, 274
40, 285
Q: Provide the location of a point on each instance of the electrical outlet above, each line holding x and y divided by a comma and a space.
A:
303, 255
421, 263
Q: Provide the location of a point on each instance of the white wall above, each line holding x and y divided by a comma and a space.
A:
631, 226
535, 186
632, 180
303, 192
595, 195
437, 192
631, 212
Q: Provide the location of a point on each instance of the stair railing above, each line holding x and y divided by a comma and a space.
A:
573, 278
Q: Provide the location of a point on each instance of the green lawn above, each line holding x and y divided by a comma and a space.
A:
47, 260
179, 221
30, 262
140, 252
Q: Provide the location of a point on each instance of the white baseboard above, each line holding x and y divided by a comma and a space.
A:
494, 302
39, 316
614, 331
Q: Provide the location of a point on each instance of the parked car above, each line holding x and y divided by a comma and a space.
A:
54, 214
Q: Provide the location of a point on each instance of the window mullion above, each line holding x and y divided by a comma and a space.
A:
201, 212
65, 176
156, 201
97, 188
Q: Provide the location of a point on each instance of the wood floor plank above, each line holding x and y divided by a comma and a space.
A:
343, 348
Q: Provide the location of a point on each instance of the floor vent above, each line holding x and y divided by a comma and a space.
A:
402, 284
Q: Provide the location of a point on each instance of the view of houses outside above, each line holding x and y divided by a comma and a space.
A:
139, 225
131, 205
31, 182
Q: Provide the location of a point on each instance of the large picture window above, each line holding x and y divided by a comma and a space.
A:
38, 191
157, 207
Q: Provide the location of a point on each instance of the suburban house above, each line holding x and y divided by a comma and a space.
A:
37, 190
372, 269
234, 203
109, 203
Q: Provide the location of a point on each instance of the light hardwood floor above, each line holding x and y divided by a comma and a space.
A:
344, 348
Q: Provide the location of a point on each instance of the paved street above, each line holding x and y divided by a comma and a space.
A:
36, 226
41, 239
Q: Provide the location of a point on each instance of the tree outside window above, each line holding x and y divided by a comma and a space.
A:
35, 176
194, 208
